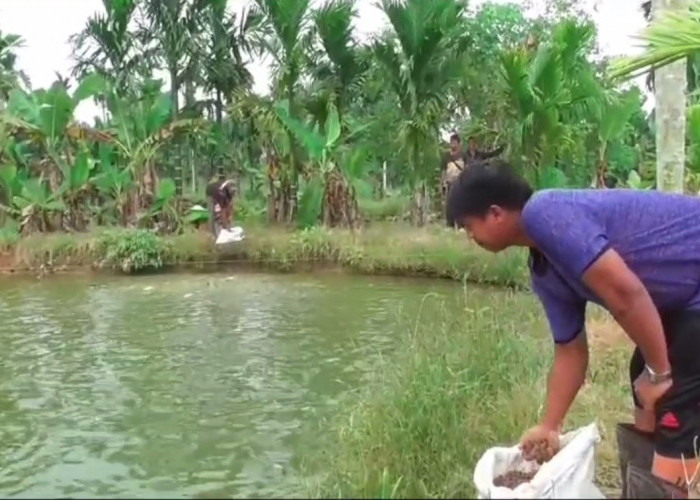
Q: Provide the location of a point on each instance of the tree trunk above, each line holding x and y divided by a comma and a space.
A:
421, 205
383, 191
670, 87
174, 89
219, 107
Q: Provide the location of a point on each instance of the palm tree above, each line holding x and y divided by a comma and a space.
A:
106, 46
550, 89
340, 67
226, 41
10, 76
172, 27
611, 115
422, 62
670, 39
284, 37
692, 62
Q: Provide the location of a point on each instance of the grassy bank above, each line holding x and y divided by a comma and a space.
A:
381, 248
467, 378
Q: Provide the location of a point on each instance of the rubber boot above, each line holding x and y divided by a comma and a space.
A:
633, 448
641, 483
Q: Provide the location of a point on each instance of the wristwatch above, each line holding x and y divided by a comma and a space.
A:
657, 378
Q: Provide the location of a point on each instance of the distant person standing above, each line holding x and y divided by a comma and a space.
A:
220, 202
453, 162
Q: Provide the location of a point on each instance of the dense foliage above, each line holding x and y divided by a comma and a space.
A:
350, 129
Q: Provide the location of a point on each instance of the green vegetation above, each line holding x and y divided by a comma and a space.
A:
384, 248
350, 131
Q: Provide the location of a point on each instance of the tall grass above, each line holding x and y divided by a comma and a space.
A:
468, 377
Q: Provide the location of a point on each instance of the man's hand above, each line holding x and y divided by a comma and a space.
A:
540, 443
649, 393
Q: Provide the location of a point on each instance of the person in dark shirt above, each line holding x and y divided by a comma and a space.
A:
220, 200
637, 254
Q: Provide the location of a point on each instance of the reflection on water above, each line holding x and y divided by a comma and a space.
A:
182, 386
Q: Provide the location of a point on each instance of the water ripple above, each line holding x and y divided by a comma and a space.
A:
186, 386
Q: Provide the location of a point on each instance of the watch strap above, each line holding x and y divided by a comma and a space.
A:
657, 378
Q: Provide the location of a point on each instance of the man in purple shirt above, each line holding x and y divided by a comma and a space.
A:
636, 253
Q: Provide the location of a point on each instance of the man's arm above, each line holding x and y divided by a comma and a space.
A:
566, 316
565, 380
630, 304
573, 237
485, 155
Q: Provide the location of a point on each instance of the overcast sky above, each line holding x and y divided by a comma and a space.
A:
45, 26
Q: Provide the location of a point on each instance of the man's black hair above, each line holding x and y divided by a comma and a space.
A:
483, 184
455, 137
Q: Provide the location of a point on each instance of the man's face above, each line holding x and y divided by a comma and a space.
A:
472, 144
492, 231
454, 145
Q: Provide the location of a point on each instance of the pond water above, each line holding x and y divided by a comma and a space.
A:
183, 385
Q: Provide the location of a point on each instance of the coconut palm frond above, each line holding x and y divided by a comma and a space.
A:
670, 38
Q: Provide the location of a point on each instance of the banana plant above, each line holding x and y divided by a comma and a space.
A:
164, 210
47, 113
8, 188
197, 215
114, 184
9, 232
75, 186
141, 129
35, 205
319, 148
332, 191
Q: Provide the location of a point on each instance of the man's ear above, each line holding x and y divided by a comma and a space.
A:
496, 211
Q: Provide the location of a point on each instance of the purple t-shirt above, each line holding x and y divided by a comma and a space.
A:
656, 234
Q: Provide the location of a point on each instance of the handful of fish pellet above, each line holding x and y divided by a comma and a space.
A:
540, 451
512, 479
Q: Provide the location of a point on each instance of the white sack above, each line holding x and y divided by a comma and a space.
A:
232, 235
569, 474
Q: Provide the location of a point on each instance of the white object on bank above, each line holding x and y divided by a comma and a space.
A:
232, 235
569, 474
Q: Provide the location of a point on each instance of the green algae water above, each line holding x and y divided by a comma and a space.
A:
187, 386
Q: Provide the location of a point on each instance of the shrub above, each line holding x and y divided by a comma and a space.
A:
134, 250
